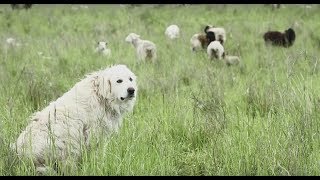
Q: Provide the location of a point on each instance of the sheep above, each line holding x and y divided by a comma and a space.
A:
215, 50
145, 50
103, 49
201, 41
231, 60
172, 31
277, 38
220, 33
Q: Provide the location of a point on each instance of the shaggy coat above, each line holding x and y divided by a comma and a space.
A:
145, 50
94, 106
277, 38
220, 33
201, 41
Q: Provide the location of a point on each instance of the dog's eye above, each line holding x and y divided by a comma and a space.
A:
119, 81
130, 79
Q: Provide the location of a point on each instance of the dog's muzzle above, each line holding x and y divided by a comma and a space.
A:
131, 95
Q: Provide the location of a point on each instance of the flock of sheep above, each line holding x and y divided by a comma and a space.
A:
212, 40
146, 50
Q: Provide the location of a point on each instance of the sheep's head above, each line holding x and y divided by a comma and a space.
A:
210, 36
207, 27
101, 45
290, 36
132, 37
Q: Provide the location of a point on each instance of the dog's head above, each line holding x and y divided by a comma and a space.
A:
132, 37
118, 86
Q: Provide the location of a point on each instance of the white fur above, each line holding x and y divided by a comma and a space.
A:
215, 50
95, 105
195, 43
103, 49
232, 60
172, 31
220, 33
142, 47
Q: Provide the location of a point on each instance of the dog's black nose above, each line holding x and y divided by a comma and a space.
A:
130, 90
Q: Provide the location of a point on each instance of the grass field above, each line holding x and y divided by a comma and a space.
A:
193, 116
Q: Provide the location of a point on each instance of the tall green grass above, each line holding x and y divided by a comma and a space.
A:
192, 116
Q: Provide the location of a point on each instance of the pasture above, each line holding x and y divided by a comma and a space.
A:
193, 116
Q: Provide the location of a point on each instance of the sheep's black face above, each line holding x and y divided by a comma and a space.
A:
290, 35
211, 36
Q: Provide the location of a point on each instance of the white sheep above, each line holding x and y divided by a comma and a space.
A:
195, 42
220, 33
215, 50
172, 31
103, 49
145, 50
201, 41
231, 60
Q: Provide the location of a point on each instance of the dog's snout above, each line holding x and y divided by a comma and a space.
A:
131, 90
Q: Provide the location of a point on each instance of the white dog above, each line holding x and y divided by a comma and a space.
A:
95, 105
172, 31
103, 48
145, 50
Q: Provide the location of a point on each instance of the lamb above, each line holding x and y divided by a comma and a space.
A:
231, 60
145, 50
220, 33
277, 38
172, 31
103, 49
215, 50
201, 41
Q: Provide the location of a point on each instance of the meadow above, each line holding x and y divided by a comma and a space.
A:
193, 116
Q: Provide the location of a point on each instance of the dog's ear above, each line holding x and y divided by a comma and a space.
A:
102, 86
